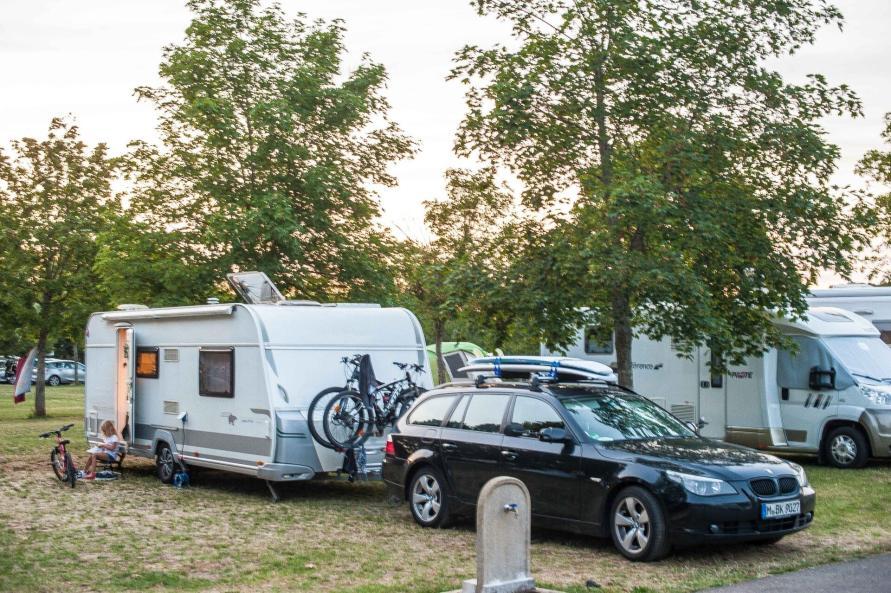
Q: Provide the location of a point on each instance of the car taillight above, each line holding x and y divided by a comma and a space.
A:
390, 448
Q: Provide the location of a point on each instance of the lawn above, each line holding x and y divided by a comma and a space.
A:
224, 533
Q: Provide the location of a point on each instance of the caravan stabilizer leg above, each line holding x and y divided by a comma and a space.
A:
273, 492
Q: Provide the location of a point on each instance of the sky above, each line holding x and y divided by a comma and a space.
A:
83, 58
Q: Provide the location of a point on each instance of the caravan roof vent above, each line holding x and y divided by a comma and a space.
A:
131, 307
213, 301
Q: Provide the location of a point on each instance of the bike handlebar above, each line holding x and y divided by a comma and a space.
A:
46, 435
405, 365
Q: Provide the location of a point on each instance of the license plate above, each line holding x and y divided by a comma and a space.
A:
776, 510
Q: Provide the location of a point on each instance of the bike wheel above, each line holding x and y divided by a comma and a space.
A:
72, 471
346, 420
316, 413
60, 466
407, 399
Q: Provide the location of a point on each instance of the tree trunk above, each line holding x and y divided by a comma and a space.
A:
623, 337
40, 389
438, 330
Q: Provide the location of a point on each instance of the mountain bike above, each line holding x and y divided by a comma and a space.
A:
353, 416
317, 407
63, 465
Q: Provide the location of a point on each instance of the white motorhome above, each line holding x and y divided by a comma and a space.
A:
832, 397
873, 303
227, 386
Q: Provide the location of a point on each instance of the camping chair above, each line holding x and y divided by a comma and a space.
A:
115, 467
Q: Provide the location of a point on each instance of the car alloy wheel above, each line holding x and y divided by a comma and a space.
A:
426, 498
843, 449
632, 525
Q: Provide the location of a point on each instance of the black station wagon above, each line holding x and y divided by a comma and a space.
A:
597, 459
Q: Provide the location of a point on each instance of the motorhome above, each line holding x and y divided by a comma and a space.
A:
227, 386
870, 302
831, 395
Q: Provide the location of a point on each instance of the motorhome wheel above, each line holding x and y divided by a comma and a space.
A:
165, 463
846, 447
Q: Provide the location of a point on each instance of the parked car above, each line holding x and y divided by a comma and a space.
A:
61, 371
7, 371
597, 459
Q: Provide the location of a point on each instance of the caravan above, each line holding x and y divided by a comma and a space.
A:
873, 303
226, 386
831, 397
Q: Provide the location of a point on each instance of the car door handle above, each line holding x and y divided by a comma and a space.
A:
509, 455
448, 446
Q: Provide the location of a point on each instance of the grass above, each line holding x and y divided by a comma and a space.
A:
224, 534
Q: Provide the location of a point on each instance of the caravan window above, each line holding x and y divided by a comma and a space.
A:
216, 373
147, 363
594, 344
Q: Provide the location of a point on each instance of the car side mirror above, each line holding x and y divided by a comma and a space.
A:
553, 435
514, 429
821, 378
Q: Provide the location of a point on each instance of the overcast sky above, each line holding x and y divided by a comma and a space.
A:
85, 58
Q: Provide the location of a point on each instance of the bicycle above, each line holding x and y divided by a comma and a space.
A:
352, 416
60, 458
320, 401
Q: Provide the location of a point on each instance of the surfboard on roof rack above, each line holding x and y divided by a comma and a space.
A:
546, 365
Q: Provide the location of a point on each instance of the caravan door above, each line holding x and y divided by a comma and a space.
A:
712, 395
125, 381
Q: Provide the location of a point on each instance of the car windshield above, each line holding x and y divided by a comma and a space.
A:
611, 415
867, 358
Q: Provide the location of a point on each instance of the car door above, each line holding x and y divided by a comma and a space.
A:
470, 443
803, 408
549, 470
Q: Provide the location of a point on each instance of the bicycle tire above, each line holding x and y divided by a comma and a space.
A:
58, 462
346, 420
72, 472
317, 407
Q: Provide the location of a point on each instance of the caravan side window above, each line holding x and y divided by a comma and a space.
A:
216, 373
594, 344
147, 363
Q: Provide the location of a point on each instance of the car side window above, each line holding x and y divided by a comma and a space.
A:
457, 416
485, 412
534, 415
432, 411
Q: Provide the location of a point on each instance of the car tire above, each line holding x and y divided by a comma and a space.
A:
638, 526
846, 448
428, 498
54, 381
165, 464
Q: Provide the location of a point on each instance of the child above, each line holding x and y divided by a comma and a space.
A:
108, 452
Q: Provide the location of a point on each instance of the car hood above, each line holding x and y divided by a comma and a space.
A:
699, 456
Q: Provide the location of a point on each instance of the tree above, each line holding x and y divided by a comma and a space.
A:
876, 166
268, 153
55, 198
698, 177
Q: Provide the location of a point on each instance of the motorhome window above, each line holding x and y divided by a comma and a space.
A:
595, 344
867, 358
794, 368
535, 415
717, 376
216, 373
618, 416
432, 411
147, 363
485, 412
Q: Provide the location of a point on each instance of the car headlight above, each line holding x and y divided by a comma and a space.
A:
701, 485
799, 473
879, 398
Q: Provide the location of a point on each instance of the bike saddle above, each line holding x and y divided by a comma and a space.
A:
65, 442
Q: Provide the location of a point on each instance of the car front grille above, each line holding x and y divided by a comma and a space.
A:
764, 486
788, 485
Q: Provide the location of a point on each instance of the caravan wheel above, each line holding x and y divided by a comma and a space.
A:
165, 464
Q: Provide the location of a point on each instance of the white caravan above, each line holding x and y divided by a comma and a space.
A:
227, 386
870, 302
833, 397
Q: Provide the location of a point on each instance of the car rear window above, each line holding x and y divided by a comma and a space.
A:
433, 411
485, 412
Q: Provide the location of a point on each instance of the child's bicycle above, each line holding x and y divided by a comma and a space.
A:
63, 465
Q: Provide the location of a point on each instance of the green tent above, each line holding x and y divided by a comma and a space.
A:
456, 355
